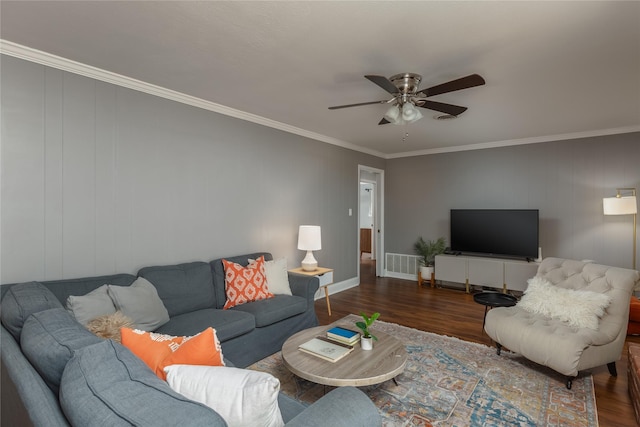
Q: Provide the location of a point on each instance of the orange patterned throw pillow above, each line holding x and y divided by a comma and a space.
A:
159, 350
245, 284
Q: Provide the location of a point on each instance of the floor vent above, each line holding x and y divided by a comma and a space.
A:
402, 266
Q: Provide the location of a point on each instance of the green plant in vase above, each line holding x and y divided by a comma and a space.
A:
427, 251
367, 337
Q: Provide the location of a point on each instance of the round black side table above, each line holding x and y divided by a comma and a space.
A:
493, 299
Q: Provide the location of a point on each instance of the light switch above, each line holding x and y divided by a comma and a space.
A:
350, 211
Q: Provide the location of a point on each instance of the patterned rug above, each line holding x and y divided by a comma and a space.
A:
450, 382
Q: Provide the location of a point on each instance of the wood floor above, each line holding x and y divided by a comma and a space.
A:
453, 312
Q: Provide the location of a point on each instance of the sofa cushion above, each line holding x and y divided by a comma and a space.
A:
241, 396
49, 339
549, 342
273, 310
184, 287
160, 350
277, 276
64, 288
105, 384
342, 406
227, 323
21, 301
289, 407
94, 304
140, 302
245, 284
218, 276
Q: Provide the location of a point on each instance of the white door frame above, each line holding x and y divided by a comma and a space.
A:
374, 214
378, 216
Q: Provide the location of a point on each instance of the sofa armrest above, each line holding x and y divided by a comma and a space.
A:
34, 398
304, 286
343, 406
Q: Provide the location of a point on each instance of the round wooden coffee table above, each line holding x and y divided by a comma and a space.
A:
359, 368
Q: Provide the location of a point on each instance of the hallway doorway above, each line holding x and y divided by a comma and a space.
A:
370, 219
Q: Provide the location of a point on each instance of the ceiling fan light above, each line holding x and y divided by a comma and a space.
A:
393, 115
410, 113
418, 116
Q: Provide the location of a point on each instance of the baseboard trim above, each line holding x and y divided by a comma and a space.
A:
405, 276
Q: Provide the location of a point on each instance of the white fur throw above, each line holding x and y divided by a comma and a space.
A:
581, 309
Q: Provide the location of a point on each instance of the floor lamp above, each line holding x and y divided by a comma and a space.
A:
623, 204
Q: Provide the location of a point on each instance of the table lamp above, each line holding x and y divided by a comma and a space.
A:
309, 240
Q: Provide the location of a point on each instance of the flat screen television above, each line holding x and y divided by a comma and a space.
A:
506, 233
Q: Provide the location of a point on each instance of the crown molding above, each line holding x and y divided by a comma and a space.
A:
64, 64
522, 141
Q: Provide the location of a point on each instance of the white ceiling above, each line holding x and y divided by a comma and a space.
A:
554, 70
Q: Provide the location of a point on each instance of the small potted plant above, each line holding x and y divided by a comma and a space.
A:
427, 250
366, 342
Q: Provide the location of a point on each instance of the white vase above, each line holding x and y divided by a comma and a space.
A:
425, 272
366, 343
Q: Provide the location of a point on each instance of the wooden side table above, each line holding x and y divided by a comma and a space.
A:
325, 275
494, 299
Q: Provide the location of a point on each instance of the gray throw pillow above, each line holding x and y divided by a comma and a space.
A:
141, 303
94, 304
105, 384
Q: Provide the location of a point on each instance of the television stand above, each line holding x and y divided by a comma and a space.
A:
497, 273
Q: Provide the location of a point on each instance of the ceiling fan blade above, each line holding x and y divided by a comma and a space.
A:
458, 84
337, 107
454, 110
383, 82
383, 121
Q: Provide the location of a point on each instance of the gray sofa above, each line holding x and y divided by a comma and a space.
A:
56, 373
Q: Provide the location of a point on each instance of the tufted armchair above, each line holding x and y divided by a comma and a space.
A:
552, 342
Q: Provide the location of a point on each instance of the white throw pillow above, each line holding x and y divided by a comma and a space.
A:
578, 308
241, 396
277, 276
141, 303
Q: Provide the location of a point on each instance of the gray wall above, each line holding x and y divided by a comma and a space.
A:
565, 180
99, 179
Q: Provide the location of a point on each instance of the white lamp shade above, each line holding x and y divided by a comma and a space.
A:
393, 115
410, 113
309, 238
626, 205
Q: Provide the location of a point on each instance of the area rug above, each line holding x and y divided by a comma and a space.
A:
450, 382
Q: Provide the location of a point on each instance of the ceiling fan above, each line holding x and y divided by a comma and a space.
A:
407, 96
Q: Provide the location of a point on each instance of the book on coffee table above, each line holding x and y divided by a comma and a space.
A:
343, 335
326, 349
